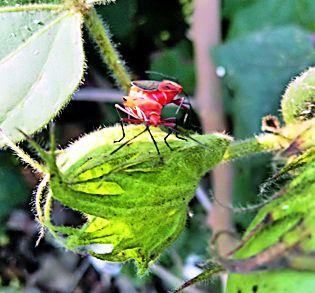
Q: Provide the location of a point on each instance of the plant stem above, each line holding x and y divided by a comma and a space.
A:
101, 37
21, 154
38, 199
262, 143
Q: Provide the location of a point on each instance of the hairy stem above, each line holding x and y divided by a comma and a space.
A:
262, 143
38, 199
101, 37
22, 155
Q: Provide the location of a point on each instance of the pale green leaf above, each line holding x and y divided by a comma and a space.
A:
41, 64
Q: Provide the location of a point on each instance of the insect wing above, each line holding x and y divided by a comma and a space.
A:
146, 85
169, 86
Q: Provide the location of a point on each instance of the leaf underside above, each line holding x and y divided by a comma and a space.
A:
41, 64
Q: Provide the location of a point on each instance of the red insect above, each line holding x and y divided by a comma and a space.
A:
164, 92
145, 102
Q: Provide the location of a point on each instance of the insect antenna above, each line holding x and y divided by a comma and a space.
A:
172, 78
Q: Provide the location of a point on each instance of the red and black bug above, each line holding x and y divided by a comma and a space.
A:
144, 105
164, 92
146, 100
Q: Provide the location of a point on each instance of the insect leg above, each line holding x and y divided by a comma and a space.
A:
155, 144
182, 131
190, 108
129, 140
174, 129
122, 126
165, 140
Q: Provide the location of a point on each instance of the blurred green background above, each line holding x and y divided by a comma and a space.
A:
265, 44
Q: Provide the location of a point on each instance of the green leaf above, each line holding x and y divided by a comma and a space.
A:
148, 211
269, 13
231, 7
41, 64
258, 67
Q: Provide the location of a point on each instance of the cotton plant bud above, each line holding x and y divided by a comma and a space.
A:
298, 102
132, 201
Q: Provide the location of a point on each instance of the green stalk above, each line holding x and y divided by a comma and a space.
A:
101, 37
259, 144
22, 155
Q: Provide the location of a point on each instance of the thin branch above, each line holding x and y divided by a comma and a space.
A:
109, 54
170, 279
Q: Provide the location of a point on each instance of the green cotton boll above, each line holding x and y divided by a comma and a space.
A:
298, 102
287, 221
132, 200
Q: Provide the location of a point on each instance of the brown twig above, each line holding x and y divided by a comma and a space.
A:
206, 33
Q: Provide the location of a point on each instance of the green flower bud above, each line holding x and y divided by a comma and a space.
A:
298, 102
133, 202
